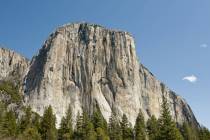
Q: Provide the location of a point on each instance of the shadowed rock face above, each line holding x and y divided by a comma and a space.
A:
85, 65
13, 66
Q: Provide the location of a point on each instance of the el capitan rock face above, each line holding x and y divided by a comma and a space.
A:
85, 65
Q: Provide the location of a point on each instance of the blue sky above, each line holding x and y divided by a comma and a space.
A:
172, 36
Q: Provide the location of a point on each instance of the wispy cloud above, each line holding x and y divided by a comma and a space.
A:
204, 45
191, 78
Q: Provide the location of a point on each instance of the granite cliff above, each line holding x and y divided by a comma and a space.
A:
86, 65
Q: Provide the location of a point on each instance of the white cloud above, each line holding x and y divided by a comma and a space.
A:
191, 78
204, 45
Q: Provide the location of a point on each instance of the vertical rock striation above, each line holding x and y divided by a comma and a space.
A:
85, 65
13, 67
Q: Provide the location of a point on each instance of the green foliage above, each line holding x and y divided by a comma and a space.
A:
101, 135
84, 128
48, 129
30, 133
100, 125
28, 127
98, 120
114, 128
65, 131
2, 114
127, 133
189, 132
152, 128
2, 110
36, 122
204, 134
167, 127
8, 125
11, 90
140, 128
25, 121
89, 133
79, 127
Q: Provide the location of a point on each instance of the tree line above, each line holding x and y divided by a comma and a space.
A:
31, 126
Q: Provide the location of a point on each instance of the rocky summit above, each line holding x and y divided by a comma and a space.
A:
87, 66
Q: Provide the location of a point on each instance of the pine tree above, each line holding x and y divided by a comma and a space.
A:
204, 134
152, 128
48, 129
84, 128
36, 122
90, 133
88, 128
2, 116
140, 128
66, 131
28, 128
189, 132
167, 127
2, 110
8, 127
25, 121
101, 135
100, 124
126, 129
98, 119
78, 128
186, 131
30, 133
114, 128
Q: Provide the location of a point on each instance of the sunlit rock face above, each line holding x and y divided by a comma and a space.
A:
13, 67
85, 65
